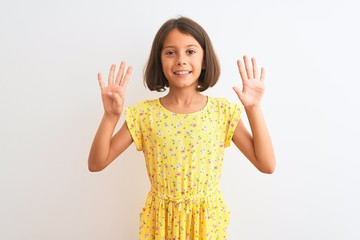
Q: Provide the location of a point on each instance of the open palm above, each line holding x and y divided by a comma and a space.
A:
252, 83
113, 95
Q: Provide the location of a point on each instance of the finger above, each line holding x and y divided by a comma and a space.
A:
127, 76
241, 70
111, 75
262, 76
248, 67
101, 82
255, 68
116, 98
238, 92
120, 73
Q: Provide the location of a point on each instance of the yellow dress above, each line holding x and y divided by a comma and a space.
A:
183, 155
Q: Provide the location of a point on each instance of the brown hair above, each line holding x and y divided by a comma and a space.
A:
154, 77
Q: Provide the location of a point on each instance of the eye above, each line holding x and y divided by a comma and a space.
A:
169, 52
191, 51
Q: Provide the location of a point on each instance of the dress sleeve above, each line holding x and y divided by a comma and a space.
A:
234, 115
132, 118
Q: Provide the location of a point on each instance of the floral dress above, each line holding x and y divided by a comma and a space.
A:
183, 155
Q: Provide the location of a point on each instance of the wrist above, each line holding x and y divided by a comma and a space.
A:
111, 116
252, 107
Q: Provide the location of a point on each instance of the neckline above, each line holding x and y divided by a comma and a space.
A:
190, 113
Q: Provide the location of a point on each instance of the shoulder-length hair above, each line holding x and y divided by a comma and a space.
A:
154, 77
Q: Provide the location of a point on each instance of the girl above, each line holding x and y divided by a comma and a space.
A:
183, 134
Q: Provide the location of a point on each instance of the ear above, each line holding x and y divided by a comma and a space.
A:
203, 66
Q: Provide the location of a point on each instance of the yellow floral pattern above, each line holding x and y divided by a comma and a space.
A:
183, 155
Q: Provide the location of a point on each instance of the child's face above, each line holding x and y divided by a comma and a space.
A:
182, 60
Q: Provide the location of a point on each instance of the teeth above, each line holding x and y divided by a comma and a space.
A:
182, 72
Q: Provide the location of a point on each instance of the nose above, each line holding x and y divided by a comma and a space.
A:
181, 61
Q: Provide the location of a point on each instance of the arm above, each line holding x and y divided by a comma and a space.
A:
106, 147
257, 147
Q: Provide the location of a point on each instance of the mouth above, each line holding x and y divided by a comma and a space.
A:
182, 72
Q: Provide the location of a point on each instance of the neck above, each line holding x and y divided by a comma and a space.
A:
183, 96
184, 101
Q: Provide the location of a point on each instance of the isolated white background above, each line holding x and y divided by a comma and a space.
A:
51, 51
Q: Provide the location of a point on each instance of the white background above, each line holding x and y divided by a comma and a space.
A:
51, 51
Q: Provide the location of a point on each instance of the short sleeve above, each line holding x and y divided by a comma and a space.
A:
234, 116
132, 118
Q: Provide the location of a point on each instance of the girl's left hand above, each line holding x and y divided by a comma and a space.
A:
252, 83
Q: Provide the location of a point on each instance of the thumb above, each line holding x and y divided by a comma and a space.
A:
238, 92
116, 98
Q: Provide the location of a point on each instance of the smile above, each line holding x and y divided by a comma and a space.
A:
182, 72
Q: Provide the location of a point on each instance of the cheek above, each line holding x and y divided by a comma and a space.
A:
165, 68
165, 64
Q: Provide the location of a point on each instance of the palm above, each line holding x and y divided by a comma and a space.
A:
252, 83
113, 95
109, 103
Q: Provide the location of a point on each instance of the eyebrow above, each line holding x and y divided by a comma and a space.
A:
190, 45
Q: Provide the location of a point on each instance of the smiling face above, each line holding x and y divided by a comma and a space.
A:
182, 60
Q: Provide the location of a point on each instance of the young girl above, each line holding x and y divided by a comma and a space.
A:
183, 134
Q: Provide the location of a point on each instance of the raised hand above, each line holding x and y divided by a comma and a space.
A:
252, 83
113, 95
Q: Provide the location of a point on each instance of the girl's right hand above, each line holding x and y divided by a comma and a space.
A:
113, 95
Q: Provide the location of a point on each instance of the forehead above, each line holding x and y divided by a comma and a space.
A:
175, 38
